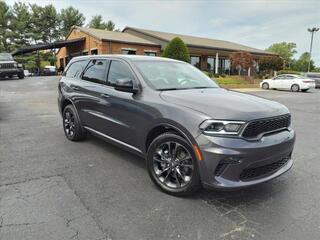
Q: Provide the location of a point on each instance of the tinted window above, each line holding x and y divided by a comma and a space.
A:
75, 68
96, 71
118, 70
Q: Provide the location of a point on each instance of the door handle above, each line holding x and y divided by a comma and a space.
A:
105, 95
75, 87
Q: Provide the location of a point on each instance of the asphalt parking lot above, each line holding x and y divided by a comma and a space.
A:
51, 188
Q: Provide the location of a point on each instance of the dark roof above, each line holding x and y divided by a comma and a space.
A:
193, 41
43, 46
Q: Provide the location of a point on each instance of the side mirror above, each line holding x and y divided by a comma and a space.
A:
125, 85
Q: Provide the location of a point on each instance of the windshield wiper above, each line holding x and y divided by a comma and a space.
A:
169, 89
202, 87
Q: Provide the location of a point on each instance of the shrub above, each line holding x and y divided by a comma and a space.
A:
216, 75
177, 49
223, 75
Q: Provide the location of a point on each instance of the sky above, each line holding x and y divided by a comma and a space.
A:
256, 23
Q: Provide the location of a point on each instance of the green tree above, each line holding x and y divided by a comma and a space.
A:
5, 32
21, 24
285, 50
70, 17
177, 49
301, 64
97, 22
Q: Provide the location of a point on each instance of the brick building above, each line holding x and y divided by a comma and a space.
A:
207, 54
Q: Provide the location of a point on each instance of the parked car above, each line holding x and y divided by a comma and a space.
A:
292, 82
315, 77
9, 67
190, 131
49, 71
27, 73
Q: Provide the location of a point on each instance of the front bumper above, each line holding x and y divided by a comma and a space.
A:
9, 72
233, 162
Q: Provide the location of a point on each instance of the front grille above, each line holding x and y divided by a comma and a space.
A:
6, 65
257, 127
252, 173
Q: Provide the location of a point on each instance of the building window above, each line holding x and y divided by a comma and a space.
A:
94, 51
195, 61
211, 64
85, 53
150, 53
128, 51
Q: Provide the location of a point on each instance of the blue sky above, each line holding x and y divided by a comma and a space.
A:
256, 23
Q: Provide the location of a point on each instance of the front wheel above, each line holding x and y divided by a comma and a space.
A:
172, 165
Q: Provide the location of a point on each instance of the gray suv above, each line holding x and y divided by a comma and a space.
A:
9, 67
191, 132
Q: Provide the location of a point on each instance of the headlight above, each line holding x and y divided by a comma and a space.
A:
221, 127
15, 65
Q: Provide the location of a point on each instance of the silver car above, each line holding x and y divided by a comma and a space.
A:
191, 132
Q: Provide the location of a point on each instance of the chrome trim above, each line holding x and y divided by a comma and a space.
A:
113, 139
105, 117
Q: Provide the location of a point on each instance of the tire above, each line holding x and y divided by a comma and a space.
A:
71, 124
304, 90
265, 86
21, 76
295, 88
172, 165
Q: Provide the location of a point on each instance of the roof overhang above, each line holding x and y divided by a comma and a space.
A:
44, 46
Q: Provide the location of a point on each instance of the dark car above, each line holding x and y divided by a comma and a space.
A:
190, 131
9, 67
314, 76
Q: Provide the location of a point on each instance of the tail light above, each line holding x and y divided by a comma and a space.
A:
306, 81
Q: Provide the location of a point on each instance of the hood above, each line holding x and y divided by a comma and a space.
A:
219, 103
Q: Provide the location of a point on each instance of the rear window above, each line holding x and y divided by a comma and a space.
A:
75, 69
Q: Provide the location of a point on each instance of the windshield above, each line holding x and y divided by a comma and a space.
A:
165, 75
5, 57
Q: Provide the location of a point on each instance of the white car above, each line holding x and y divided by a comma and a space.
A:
27, 73
291, 82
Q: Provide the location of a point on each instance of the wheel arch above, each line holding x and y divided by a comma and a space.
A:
164, 127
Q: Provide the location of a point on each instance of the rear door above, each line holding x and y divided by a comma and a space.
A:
93, 103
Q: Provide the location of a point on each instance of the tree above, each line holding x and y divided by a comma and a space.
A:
70, 17
301, 64
21, 24
97, 22
270, 63
5, 31
241, 60
177, 49
285, 50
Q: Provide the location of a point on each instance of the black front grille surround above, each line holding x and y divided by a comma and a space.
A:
256, 128
256, 172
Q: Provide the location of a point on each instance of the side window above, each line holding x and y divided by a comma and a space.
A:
96, 71
75, 69
118, 70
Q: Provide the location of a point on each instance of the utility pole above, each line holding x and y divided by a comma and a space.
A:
312, 31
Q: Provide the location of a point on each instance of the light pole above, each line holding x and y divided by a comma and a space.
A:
312, 30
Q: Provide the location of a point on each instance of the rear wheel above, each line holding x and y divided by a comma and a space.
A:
172, 165
265, 86
71, 124
295, 88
